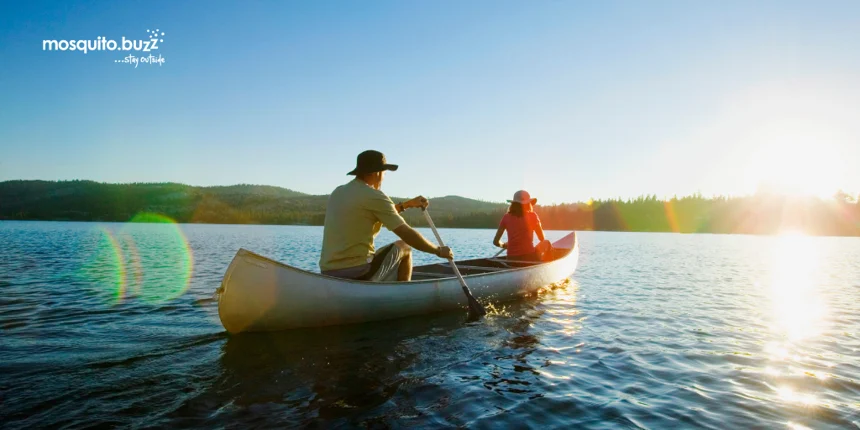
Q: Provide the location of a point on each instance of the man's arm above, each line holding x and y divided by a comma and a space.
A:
417, 241
417, 202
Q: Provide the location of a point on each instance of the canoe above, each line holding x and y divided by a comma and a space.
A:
260, 294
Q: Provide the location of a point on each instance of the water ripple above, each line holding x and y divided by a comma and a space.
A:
654, 331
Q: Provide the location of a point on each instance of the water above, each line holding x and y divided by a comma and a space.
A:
653, 331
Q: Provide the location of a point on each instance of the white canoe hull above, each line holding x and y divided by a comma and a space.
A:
259, 294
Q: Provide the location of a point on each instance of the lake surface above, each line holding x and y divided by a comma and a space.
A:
115, 324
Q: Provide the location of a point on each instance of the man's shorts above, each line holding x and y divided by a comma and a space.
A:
383, 267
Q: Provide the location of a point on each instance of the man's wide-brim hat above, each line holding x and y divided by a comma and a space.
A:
370, 162
522, 197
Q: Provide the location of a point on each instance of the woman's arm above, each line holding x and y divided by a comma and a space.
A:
499, 237
539, 229
539, 232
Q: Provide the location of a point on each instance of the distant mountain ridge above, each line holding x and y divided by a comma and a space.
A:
85, 200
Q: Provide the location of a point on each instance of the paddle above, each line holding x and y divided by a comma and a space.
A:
475, 308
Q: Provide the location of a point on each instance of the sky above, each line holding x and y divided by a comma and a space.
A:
570, 100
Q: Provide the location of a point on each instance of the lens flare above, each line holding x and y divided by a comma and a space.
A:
671, 219
156, 261
132, 261
104, 268
166, 260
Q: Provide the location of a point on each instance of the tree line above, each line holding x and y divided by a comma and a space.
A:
254, 204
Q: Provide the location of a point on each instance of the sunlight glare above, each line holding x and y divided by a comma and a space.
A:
798, 309
796, 159
789, 395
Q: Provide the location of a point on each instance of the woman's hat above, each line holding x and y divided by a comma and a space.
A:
522, 197
371, 161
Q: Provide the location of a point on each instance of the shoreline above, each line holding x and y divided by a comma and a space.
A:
447, 227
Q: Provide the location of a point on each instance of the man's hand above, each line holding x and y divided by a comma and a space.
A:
445, 252
503, 245
417, 202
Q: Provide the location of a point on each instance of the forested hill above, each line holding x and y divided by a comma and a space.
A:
236, 204
256, 204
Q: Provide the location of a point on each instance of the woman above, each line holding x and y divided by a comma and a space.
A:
522, 223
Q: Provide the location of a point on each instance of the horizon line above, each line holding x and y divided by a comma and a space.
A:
664, 198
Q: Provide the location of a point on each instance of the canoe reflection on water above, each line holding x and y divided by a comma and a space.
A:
381, 371
335, 370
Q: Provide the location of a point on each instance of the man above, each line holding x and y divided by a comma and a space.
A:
355, 213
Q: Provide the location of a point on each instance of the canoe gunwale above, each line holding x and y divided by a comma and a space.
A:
244, 252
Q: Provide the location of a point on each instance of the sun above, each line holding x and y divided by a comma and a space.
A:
791, 137
795, 159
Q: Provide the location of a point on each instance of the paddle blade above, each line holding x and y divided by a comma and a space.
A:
476, 310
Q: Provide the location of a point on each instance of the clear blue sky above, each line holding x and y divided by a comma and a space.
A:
568, 99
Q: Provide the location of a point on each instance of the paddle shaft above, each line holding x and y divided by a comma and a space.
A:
473, 302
